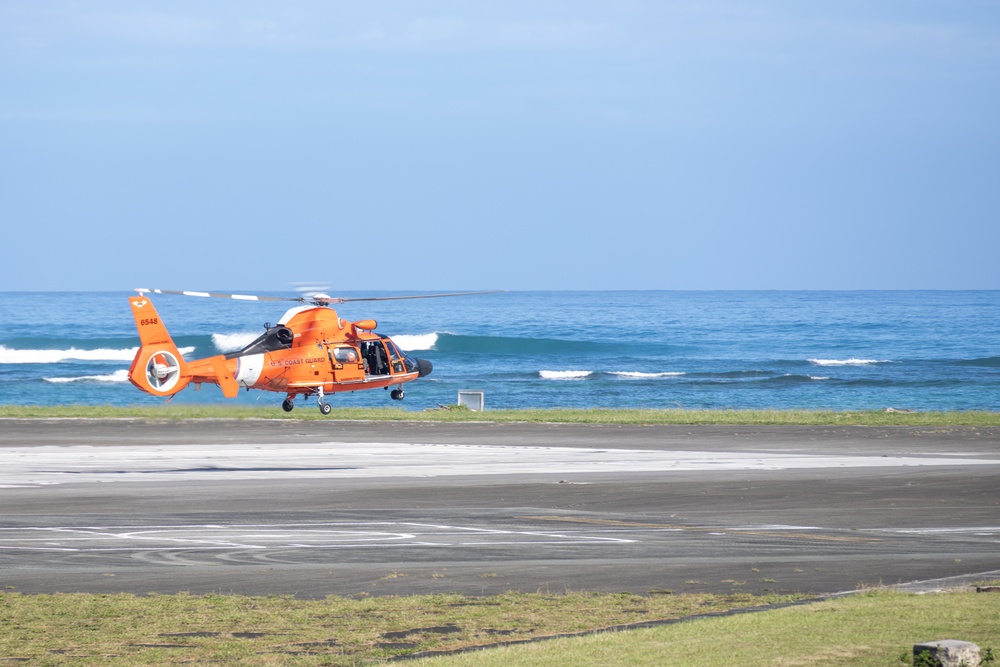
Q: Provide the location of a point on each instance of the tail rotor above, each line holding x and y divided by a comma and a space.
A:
163, 370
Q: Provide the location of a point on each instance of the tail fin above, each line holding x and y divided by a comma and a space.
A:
158, 367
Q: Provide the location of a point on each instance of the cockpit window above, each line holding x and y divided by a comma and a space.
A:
345, 355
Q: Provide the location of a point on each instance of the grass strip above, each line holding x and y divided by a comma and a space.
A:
122, 629
878, 628
568, 416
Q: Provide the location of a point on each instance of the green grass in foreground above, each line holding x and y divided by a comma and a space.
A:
454, 414
872, 628
877, 628
172, 629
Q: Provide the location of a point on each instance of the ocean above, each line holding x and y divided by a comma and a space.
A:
865, 350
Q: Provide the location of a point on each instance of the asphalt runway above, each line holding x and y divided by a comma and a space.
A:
357, 508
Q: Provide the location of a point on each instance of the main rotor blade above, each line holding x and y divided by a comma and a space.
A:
317, 299
241, 297
411, 296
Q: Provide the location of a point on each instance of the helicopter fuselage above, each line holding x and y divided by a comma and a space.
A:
312, 347
311, 351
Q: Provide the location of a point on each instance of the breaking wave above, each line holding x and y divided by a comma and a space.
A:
233, 342
630, 375
415, 342
564, 375
14, 356
117, 376
847, 362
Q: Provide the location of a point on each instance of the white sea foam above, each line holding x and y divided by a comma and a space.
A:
13, 356
564, 375
413, 342
233, 342
818, 377
847, 362
117, 376
637, 375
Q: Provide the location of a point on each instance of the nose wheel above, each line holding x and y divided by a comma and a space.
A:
287, 404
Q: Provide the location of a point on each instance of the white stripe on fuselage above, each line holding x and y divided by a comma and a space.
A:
248, 369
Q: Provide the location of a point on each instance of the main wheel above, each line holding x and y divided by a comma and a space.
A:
397, 394
325, 408
287, 405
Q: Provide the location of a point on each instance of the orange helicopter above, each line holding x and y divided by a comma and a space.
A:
311, 351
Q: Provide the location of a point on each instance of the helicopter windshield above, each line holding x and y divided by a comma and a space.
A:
400, 362
382, 357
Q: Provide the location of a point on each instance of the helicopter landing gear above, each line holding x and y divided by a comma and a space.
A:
397, 394
287, 404
324, 407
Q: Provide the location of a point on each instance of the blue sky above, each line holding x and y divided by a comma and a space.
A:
517, 145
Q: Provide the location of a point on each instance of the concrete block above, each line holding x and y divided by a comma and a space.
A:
946, 653
473, 399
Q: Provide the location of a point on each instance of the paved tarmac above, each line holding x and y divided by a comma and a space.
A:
329, 507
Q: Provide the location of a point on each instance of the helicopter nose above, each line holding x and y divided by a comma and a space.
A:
424, 367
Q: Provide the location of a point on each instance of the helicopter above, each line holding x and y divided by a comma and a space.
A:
311, 351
